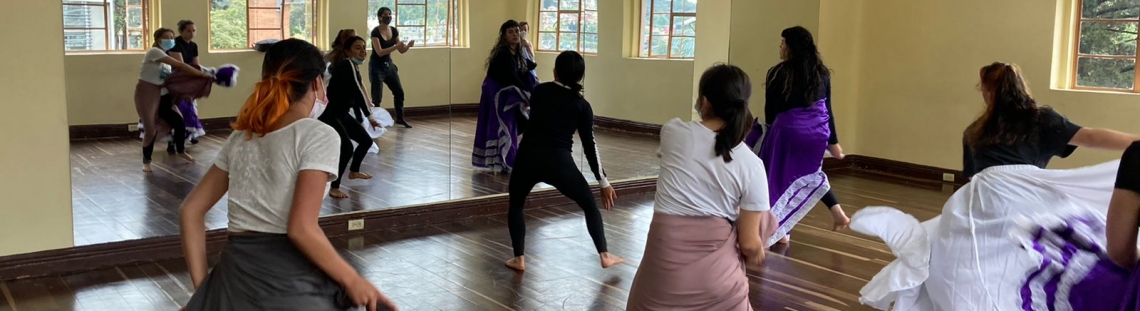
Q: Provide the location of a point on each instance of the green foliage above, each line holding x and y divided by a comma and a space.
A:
228, 24
1115, 37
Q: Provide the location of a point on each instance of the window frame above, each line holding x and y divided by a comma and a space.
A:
558, 31
315, 22
670, 36
453, 21
1075, 52
108, 19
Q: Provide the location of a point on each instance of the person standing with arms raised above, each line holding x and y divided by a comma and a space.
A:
381, 69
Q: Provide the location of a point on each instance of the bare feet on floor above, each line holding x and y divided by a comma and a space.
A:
785, 239
841, 219
359, 175
146, 168
609, 260
186, 156
517, 263
336, 193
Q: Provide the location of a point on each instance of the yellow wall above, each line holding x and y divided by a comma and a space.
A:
33, 131
840, 25
919, 65
755, 39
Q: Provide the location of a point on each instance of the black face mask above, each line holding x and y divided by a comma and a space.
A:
386, 20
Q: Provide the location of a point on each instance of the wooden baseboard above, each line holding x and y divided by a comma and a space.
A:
627, 126
86, 258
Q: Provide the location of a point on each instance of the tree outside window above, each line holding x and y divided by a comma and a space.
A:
1106, 45
239, 24
105, 25
668, 29
568, 25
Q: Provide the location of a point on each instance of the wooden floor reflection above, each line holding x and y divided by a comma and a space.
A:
113, 200
458, 265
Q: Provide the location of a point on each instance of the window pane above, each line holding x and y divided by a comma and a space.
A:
1102, 38
684, 47
684, 25
84, 40
1106, 73
84, 16
373, 21
407, 34
228, 25
660, 24
549, 5
264, 19
660, 46
410, 1
437, 13
568, 4
258, 35
661, 6
590, 43
410, 15
1110, 9
136, 40
548, 21
590, 22
689, 7
437, 35
568, 22
590, 5
547, 41
134, 2
568, 41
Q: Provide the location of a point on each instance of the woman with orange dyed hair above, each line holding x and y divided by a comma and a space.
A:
276, 167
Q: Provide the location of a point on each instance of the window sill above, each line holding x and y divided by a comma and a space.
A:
232, 51
584, 54
1094, 91
99, 53
659, 59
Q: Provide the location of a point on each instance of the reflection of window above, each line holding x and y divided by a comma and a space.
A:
568, 25
239, 24
1106, 46
429, 22
668, 29
105, 25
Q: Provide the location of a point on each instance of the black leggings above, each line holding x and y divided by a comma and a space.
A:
556, 168
166, 112
349, 130
829, 199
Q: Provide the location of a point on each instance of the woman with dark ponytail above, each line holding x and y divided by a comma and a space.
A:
558, 110
799, 130
276, 167
711, 211
348, 109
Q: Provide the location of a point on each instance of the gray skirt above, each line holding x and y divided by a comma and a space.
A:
266, 272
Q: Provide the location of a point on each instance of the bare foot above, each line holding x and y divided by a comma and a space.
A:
186, 156
146, 168
841, 219
517, 263
785, 239
336, 193
609, 260
359, 175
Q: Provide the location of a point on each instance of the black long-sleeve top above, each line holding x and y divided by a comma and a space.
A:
510, 69
345, 91
776, 103
1128, 176
556, 112
1051, 139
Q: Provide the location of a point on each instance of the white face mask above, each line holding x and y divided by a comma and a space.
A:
319, 105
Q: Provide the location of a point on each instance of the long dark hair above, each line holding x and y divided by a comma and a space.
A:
727, 89
289, 69
502, 41
802, 67
1011, 114
341, 51
570, 68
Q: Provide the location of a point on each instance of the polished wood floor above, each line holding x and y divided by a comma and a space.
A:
113, 200
458, 265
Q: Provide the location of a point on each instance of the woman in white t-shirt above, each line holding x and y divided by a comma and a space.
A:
711, 210
151, 100
276, 167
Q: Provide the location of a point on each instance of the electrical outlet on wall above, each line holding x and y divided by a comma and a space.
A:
356, 224
133, 127
947, 177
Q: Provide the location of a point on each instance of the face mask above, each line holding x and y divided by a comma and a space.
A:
318, 108
356, 61
167, 44
387, 20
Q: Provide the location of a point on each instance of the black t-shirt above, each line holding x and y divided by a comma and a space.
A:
1128, 177
776, 103
1052, 139
384, 44
556, 112
189, 50
512, 69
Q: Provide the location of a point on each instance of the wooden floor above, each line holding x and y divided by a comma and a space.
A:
458, 265
113, 200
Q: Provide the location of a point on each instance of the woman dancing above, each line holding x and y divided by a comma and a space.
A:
381, 69
711, 212
276, 166
152, 101
506, 93
798, 108
346, 99
545, 156
964, 259
186, 51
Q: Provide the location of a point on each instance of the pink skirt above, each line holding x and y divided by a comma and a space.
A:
690, 263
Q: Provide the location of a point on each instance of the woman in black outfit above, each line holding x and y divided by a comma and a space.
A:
381, 69
558, 110
346, 105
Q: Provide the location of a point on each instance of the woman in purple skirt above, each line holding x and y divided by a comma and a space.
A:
503, 105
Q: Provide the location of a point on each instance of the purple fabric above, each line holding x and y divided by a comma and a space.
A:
497, 128
226, 76
1087, 285
189, 114
794, 147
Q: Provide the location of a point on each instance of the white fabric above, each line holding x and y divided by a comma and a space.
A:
154, 71
381, 116
263, 171
974, 262
695, 182
909, 243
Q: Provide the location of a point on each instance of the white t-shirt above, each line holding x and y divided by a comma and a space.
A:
263, 172
153, 70
695, 182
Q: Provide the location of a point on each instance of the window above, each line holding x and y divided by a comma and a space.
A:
568, 25
1105, 56
429, 22
105, 25
668, 29
239, 24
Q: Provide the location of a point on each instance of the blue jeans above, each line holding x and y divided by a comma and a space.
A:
381, 73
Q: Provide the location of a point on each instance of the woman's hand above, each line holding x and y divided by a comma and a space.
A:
753, 254
363, 293
374, 123
836, 151
608, 197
